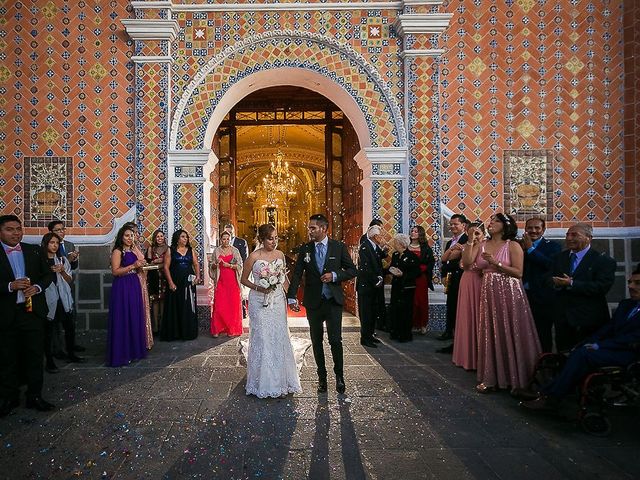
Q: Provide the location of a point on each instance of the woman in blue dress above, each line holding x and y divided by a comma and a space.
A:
126, 329
181, 269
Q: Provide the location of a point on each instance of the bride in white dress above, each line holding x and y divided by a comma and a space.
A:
271, 364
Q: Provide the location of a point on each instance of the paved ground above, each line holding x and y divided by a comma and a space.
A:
408, 414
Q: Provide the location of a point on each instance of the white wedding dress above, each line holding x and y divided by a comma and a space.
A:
271, 363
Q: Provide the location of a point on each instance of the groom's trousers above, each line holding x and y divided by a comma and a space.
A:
331, 313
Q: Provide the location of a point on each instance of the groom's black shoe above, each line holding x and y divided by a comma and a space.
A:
340, 386
322, 385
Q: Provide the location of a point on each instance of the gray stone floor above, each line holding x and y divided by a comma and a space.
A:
408, 414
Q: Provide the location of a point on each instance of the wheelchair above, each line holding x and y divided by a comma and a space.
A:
605, 388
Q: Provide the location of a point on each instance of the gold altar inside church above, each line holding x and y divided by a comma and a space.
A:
284, 154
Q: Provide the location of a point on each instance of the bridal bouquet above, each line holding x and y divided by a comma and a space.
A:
272, 275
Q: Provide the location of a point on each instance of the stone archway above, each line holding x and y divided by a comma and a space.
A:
306, 60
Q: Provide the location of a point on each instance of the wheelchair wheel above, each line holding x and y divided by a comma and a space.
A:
596, 424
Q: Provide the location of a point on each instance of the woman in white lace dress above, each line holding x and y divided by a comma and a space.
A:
271, 365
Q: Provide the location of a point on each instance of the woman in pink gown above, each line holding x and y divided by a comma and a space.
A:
226, 270
508, 344
465, 344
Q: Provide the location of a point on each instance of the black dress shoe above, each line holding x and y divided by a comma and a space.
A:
445, 336
75, 359
340, 386
447, 349
7, 405
322, 385
51, 367
368, 343
523, 394
40, 404
79, 348
376, 340
542, 404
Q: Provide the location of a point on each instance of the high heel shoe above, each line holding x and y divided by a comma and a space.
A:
483, 388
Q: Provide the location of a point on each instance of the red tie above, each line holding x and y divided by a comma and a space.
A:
17, 248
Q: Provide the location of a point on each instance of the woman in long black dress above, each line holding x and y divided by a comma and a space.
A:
181, 269
157, 285
405, 268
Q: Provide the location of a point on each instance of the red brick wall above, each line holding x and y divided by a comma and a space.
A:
67, 90
632, 111
535, 75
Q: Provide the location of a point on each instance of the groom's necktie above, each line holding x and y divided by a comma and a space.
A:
320, 255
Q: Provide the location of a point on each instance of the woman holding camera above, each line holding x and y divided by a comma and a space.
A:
226, 270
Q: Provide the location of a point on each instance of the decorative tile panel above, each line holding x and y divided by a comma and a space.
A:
528, 183
387, 203
48, 190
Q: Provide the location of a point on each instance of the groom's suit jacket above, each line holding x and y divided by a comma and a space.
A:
337, 259
37, 269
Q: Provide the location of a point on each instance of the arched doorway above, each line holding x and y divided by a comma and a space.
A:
283, 154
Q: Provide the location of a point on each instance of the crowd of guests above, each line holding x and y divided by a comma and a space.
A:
508, 300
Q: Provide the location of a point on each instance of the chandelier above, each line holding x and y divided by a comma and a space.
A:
278, 183
279, 179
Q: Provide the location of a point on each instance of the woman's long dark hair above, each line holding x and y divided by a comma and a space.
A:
154, 242
47, 238
509, 226
176, 236
422, 234
119, 243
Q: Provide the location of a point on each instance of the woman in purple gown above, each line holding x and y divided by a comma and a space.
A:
126, 330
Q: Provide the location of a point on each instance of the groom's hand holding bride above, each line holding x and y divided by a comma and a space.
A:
293, 304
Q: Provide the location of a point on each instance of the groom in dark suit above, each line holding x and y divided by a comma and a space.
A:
581, 277
24, 276
326, 264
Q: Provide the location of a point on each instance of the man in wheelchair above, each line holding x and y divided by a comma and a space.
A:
615, 344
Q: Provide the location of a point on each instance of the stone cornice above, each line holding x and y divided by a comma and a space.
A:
188, 158
421, 3
271, 7
431, 52
151, 29
416, 23
387, 155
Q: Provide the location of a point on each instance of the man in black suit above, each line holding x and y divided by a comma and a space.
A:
369, 283
326, 264
239, 243
614, 344
380, 308
538, 259
581, 278
452, 273
24, 276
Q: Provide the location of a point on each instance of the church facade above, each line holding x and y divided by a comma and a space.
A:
110, 111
